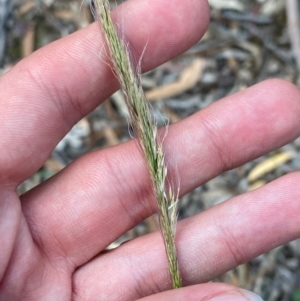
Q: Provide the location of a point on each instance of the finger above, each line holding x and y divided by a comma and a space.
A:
204, 292
57, 85
208, 244
106, 193
10, 215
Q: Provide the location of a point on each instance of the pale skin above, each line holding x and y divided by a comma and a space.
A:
53, 237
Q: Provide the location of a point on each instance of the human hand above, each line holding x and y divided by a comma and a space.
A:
52, 237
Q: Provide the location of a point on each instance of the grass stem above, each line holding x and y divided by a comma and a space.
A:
147, 133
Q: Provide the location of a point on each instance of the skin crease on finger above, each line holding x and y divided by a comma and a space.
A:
59, 84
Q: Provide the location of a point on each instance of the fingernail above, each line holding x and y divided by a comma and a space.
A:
237, 295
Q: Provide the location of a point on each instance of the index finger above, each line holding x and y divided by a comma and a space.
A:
44, 95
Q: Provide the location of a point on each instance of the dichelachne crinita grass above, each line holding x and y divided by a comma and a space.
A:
146, 131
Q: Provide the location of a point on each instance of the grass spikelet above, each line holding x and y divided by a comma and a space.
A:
147, 133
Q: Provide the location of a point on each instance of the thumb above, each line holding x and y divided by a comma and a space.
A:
205, 292
235, 295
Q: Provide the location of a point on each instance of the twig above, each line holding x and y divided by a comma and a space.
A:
292, 8
147, 133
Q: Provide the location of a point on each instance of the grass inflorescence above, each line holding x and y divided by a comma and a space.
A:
147, 133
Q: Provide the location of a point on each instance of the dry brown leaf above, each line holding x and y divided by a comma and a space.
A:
110, 136
243, 275
28, 42
53, 165
186, 81
111, 111
269, 165
25, 8
64, 15
120, 102
173, 117
151, 223
256, 185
